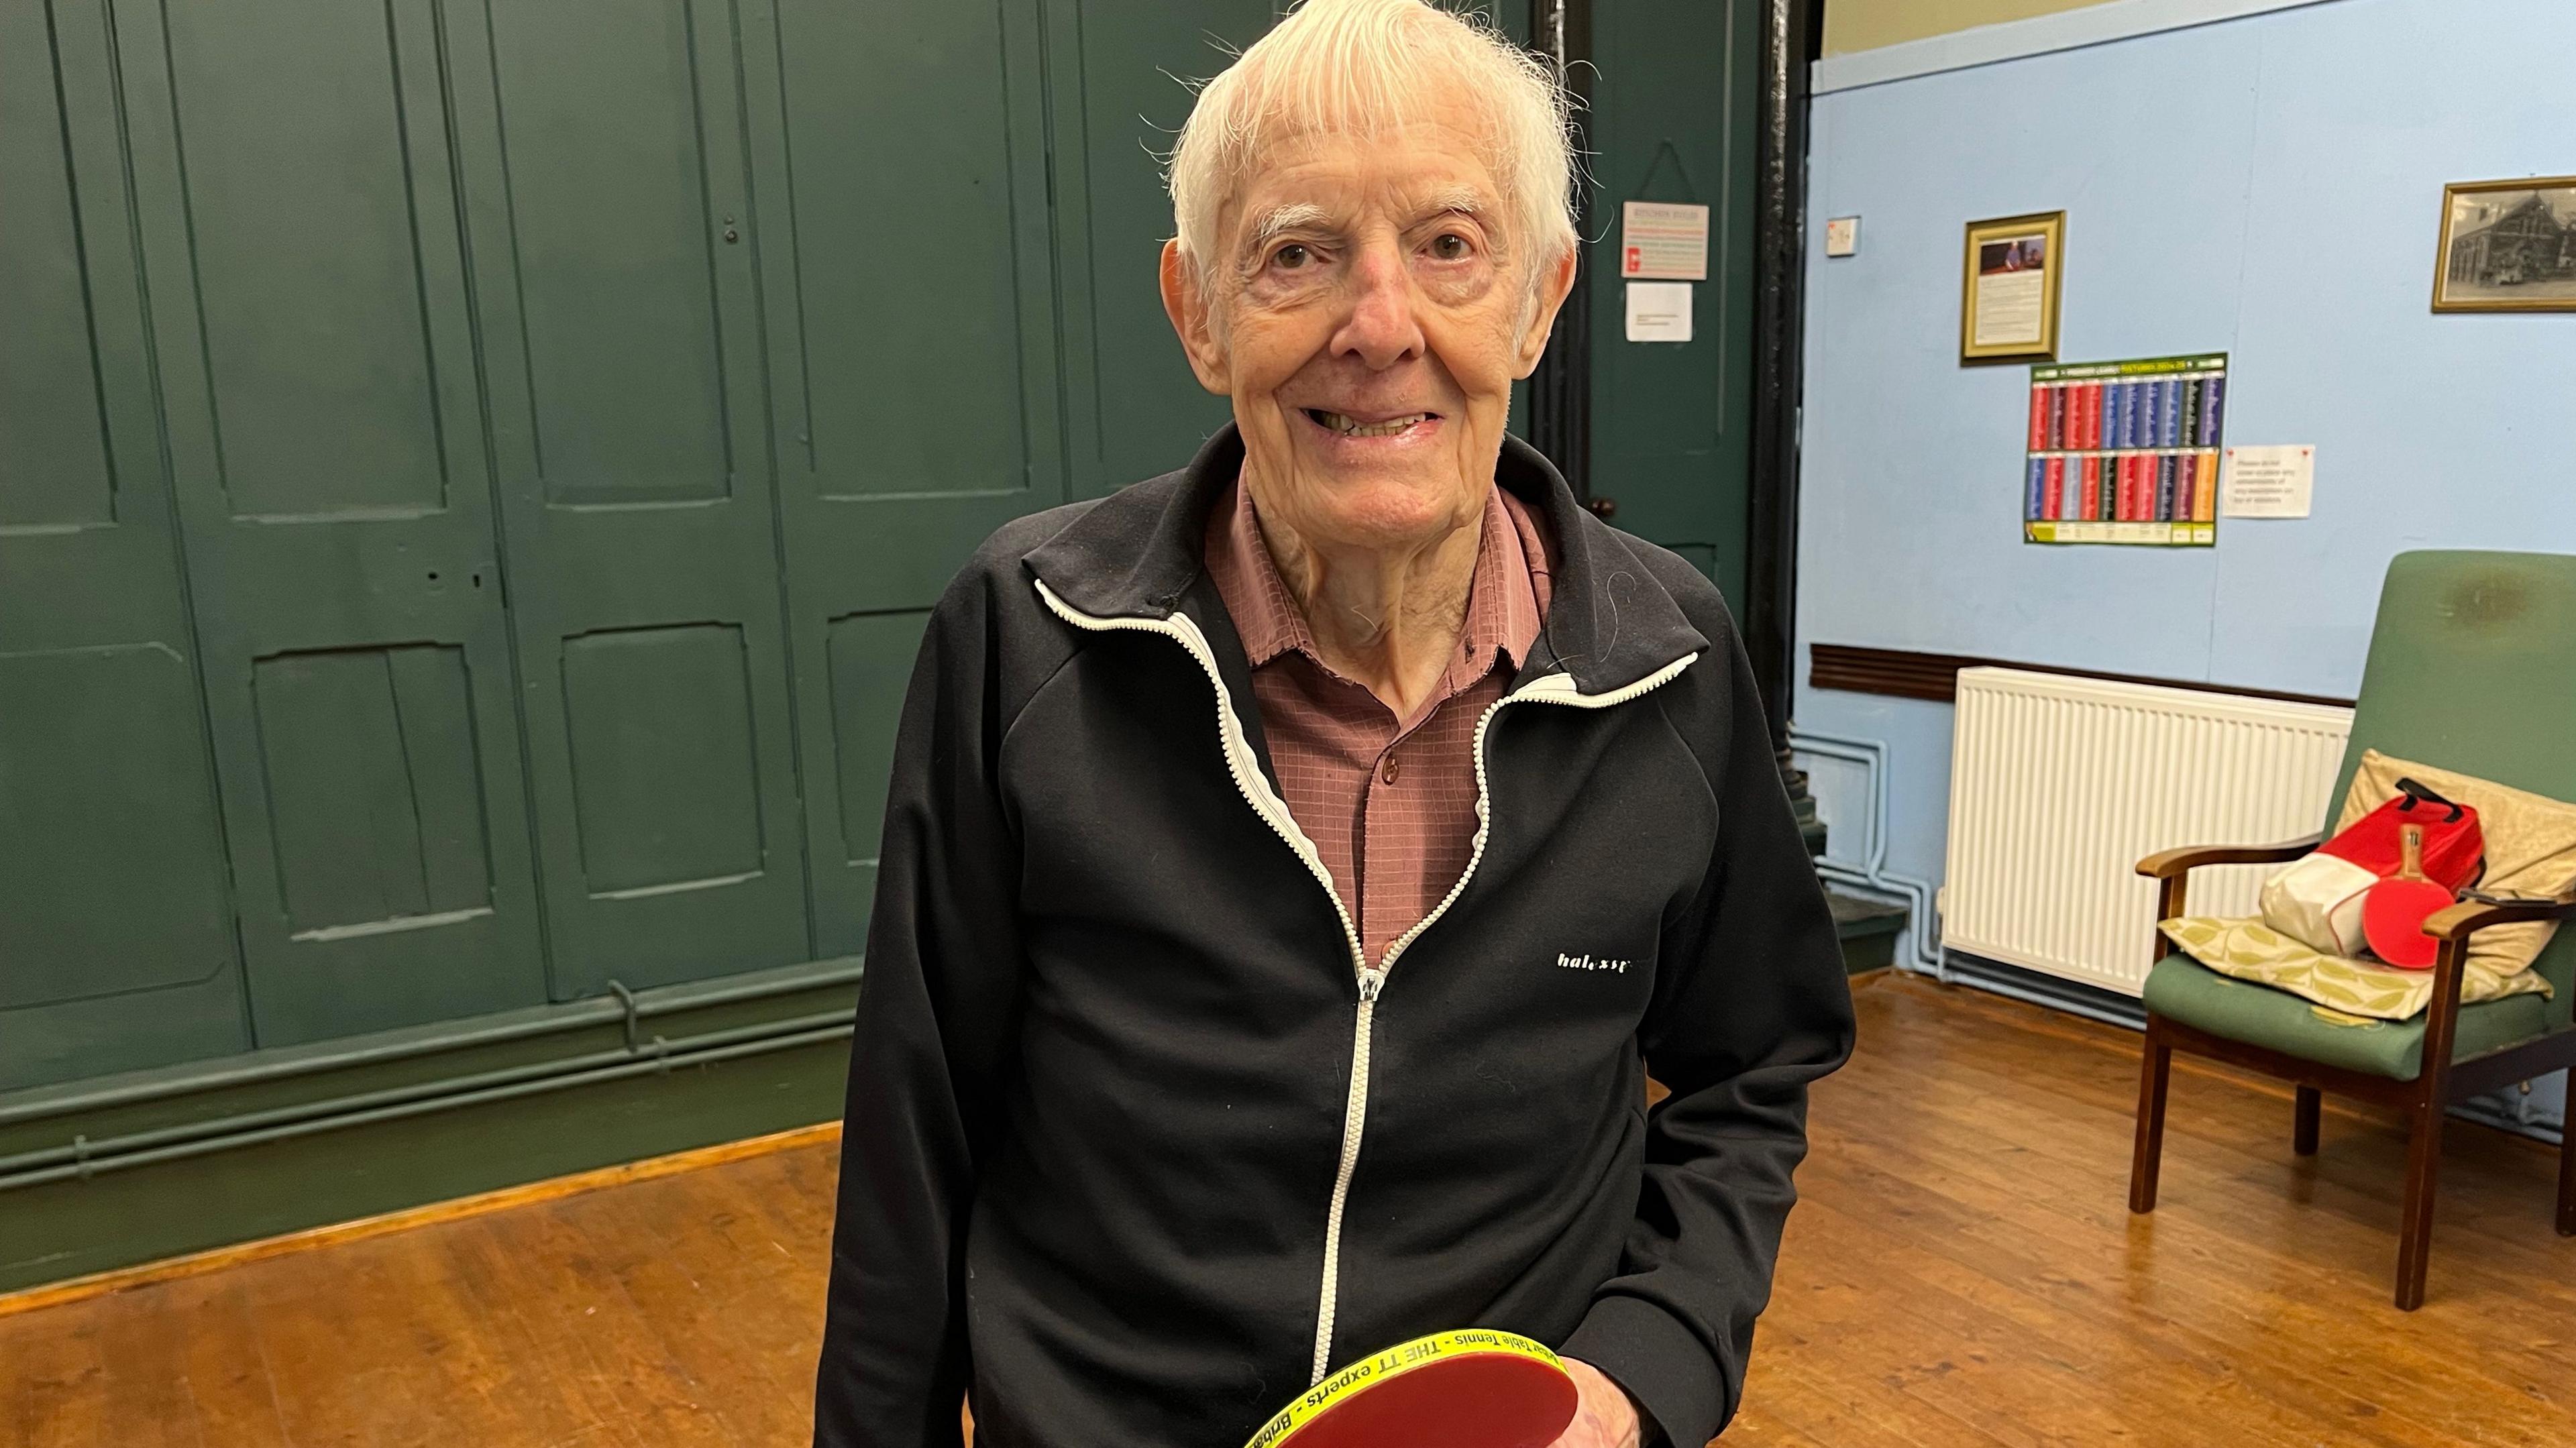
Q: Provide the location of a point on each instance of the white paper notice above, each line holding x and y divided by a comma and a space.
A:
2269, 482
1663, 241
2012, 307
1659, 311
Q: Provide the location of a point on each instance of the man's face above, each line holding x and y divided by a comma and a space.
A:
1367, 310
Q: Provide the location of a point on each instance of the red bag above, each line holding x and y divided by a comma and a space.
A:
2455, 849
2318, 900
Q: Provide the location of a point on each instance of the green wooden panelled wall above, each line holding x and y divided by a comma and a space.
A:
472, 474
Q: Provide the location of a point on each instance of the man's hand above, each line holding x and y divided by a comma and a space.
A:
1603, 1416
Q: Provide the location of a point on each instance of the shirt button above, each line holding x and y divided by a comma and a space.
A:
1389, 770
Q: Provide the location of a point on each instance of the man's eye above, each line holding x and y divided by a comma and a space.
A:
1292, 256
1450, 246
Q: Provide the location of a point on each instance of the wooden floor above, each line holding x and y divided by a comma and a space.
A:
1962, 1270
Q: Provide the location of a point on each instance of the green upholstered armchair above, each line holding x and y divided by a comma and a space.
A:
2472, 668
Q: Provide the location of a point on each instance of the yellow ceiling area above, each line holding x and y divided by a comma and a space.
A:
1868, 24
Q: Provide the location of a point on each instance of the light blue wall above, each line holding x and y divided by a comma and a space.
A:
2268, 186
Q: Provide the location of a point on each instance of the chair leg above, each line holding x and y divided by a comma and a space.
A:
2567, 1179
2303, 1131
2415, 1228
2155, 1072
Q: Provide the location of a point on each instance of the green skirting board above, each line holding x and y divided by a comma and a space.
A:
120, 1171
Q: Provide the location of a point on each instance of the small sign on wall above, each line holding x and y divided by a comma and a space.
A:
1659, 311
1663, 241
2270, 482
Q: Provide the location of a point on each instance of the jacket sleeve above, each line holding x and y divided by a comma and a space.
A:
1751, 1005
935, 1014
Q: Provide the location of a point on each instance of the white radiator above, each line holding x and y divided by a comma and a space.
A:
2059, 785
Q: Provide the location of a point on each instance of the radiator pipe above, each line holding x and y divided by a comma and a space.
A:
554, 1020
1921, 901
86, 1159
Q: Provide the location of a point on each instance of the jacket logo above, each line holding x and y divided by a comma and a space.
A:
1586, 962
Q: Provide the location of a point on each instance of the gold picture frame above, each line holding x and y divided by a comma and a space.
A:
2507, 246
2012, 269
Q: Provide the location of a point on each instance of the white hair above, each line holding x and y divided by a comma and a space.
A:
1364, 67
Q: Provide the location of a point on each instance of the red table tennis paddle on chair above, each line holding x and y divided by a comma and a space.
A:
2393, 915
1477, 1388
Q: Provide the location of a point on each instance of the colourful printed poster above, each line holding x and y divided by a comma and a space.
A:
2125, 452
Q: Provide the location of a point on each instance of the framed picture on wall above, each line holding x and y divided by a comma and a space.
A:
2008, 302
2507, 246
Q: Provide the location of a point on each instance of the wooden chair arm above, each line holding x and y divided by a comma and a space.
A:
2453, 926
2457, 922
2169, 864
2172, 870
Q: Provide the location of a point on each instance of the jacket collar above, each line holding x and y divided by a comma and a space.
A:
1136, 553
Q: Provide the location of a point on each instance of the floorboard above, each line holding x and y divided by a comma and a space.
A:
1963, 1271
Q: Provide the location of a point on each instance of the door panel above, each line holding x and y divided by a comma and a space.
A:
370, 765
112, 885
323, 423
606, 188
318, 357
905, 256
907, 270
1133, 409
667, 798
57, 473
116, 949
613, 256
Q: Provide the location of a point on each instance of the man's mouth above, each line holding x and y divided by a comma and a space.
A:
1349, 426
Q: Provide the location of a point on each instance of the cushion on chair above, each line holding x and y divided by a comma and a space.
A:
2248, 949
2184, 990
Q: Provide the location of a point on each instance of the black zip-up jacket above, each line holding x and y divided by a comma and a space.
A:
1130, 1126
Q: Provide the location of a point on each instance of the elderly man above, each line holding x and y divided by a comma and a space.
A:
1296, 863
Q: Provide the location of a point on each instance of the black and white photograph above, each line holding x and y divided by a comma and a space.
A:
2508, 246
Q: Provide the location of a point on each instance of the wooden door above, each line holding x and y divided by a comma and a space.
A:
116, 946
317, 381
610, 231
1674, 107
903, 241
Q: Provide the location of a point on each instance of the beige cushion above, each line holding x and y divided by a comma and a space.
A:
2531, 851
2531, 846
2250, 950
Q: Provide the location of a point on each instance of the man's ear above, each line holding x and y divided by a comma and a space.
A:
1187, 306
1554, 285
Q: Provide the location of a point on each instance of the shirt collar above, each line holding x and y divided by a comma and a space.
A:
1506, 601
1616, 614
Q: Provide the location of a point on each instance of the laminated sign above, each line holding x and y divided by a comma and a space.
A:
2125, 452
1663, 241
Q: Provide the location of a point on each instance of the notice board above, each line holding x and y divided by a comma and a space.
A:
2125, 452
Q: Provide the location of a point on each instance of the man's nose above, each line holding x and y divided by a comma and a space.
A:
1381, 329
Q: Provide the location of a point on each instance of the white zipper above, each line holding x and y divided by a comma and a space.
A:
1239, 760
1265, 802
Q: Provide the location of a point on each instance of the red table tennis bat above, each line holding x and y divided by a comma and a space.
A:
1476, 1388
2393, 915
